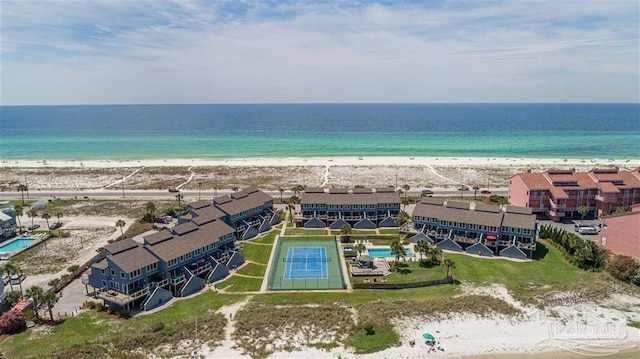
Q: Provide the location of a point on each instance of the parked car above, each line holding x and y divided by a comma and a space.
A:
485, 191
161, 220
596, 227
174, 190
463, 188
427, 192
35, 226
587, 230
55, 225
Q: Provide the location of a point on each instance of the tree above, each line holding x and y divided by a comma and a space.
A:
22, 188
35, 293
397, 249
11, 269
345, 230
46, 217
179, 197
297, 189
405, 202
406, 188
19, 211
360, 248
121, 223
450, 264
54, 282
281, 190
59, 216
12, 322
421, 247
583, 210
475, 191
623, 268
402, 218
32, 214
50, 299
151, 209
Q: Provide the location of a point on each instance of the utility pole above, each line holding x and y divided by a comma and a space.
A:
215, 185
123, 178
199, 184
396, 180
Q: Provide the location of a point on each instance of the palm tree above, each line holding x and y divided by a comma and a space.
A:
475, 191
360, 248
54, 282
450, 264
22, 188
59, 215
10, 268
405, 202
398, 250
179, 197
121, 223
19, 211
345, 230
281, 190
50, 299
151, 209
583, 210
36, 293
402, 218
406, 188
46, 217
434, 253
421, 246
32, 213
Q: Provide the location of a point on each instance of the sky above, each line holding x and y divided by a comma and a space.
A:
128, 52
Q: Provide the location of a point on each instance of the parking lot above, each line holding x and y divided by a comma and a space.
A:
569, 226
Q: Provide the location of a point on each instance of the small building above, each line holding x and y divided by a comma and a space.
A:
249, 212
366, 261
8, 223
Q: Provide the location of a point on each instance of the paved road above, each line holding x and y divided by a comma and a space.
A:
73, 295
105, 194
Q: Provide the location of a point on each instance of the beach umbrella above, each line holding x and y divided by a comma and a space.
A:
428, 336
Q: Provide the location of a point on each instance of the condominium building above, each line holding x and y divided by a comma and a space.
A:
8, 224
476, 228
560, 193
620, 233
361, 208
249, 212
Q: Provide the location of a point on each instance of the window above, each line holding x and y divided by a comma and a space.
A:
102, 271
152, 266
135, 273
104, 283
172, 262
113, 272
122, 275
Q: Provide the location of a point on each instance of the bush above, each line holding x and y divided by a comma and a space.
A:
156, 327
171, 212
99, 307
73, 268
623, 268
12, 321
91, 305
368, 328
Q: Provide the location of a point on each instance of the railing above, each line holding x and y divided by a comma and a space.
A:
465, 239
177, 280
447, 280
161, 283
530, 246
504, 243
201, 269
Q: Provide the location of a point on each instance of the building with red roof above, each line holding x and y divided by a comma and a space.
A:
559, 193
620, 233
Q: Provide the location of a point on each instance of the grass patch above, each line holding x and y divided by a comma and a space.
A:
130, 208
268, 238
138, 227
412, 272
305, 232
634, 324
256, 252
241, 284
383, 338
390, 231
253, 269
96, 334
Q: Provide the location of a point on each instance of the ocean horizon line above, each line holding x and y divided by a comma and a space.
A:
316, 103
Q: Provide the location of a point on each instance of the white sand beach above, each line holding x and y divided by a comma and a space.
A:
274, 173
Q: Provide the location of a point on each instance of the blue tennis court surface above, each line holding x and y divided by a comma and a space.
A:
306, 262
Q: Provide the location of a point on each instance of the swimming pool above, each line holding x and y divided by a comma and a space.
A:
386, 252
15, 244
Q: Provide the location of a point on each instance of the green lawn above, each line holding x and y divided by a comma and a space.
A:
256, 252
304, 232
253, 269
415, 274
268, 238
393, 231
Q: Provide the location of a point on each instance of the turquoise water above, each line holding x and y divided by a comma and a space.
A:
308, 130
15, 244
386, 252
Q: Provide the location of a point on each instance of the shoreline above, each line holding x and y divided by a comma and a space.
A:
321, 161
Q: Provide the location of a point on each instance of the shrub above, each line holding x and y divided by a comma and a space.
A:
13, 297
91, 305
99, 307
171, 212
368, 328
12, 321
73, 268
156, 327
623, 268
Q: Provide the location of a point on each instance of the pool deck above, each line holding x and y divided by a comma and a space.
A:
38, 238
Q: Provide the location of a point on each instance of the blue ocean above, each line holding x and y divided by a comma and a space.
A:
294, 130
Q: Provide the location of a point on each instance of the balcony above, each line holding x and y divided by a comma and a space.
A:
504, 243
464, 239
178, 279
161, 283
200, 268
114, 296
528, 246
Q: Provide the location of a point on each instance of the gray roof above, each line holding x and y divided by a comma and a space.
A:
210, 233
158, 237
102, 264
362, 190
518, 220
245, 203
207, 214
432, 200
365, 258
487, 207
461, 205
119, 246
199, 204
314, 190
521, 210
364, 196
222, 199
185, 228
339, 190
133, 259
384, 189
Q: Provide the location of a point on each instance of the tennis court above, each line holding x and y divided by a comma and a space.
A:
306, 263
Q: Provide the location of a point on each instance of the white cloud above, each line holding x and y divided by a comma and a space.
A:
189, 52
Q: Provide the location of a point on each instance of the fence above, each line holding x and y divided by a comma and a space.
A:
427, 283
68, 279
332, 282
